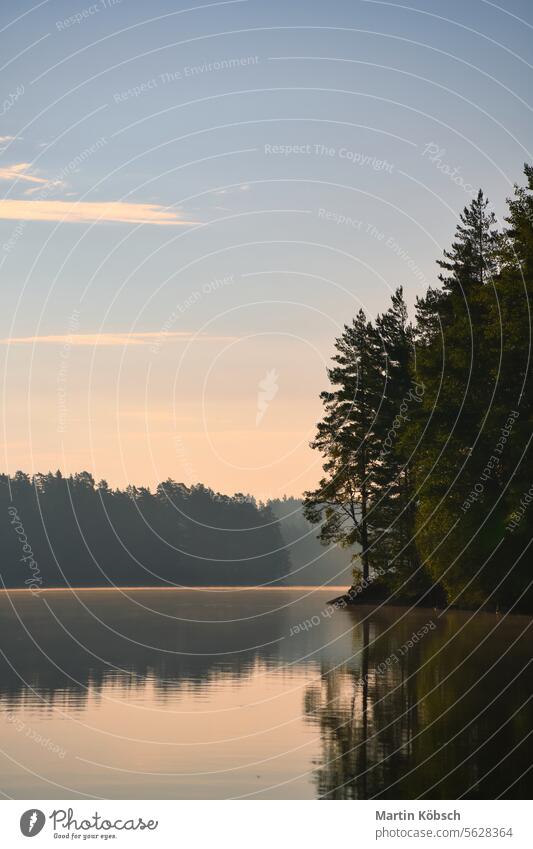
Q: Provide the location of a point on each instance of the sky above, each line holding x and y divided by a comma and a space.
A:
196, 197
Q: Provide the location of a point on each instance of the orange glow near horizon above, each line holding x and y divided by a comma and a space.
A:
130, 416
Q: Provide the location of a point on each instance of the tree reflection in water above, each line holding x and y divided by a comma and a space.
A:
449, 716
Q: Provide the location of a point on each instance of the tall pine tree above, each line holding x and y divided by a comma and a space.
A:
347, 438
449, 436
393, 497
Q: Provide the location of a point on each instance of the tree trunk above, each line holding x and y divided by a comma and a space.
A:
364, 536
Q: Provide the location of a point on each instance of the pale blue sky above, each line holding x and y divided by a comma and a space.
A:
254, 130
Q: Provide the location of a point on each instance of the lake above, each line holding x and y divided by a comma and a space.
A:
240, 693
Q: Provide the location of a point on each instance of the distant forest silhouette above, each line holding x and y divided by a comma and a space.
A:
60, 531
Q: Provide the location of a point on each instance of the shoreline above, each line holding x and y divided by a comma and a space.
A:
210, 588
345, 601
341, 602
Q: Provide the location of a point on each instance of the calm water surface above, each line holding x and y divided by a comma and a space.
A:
259, 694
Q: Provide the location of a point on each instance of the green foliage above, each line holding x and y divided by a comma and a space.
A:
428, 468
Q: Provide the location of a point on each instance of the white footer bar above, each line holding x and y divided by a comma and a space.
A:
266, 824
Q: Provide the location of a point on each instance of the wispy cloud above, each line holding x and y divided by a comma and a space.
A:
20, 171
112, 339
82, 212
245, 187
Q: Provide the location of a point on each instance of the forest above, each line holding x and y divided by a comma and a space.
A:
59, 531
63, 530
427, 427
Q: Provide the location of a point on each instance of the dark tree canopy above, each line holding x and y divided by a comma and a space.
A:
81, 533
427, 429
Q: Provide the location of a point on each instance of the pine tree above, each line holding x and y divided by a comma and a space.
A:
393, 497
449, 433
508, 333
450, 499
347, 438
473, 258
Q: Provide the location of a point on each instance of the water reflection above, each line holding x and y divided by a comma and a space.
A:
183, 694
446, 716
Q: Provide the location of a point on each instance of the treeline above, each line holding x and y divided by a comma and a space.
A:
59, 531
427, 427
